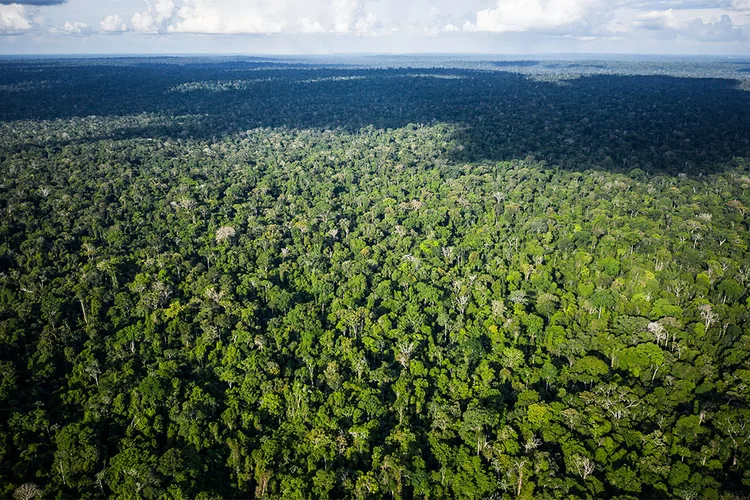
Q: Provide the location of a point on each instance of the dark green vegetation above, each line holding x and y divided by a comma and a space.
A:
242, 280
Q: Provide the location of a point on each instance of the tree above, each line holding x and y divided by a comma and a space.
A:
27, 491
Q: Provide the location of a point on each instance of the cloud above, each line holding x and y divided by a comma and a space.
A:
259, 17
37, 3
655, 21
637, 22
526, 15
112, 24
224, 17
584, 19
667, 24
153, 20
14, 19
677, 5
720, 31
72, 29
307, 25
349, 16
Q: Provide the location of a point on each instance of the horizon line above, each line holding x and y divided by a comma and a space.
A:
372, 54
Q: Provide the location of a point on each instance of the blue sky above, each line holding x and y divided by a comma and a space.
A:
383, 26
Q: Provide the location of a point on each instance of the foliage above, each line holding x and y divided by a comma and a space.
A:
306, 311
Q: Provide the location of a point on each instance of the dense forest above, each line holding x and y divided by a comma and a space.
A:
258, 279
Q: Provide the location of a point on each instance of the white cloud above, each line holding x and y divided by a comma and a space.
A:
349, 16
704, 25
144, 22
164, 9
14, 19
225, 17
722, 30
701, 20
333, 25
656, 20
366, 24
307, 25
72, 29
525, 15
259, 16
155, 18
112, 24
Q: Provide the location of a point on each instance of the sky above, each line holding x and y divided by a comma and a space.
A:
711, 27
